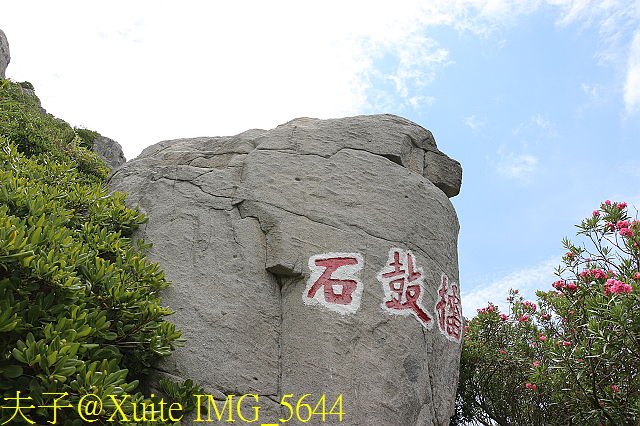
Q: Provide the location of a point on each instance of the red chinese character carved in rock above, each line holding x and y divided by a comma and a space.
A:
449, 310
402, 282
334, 281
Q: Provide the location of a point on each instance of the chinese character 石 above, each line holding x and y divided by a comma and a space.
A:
334, 282
402, 282
449, 310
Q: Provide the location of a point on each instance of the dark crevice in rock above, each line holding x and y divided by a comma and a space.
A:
197, 186
396, 159
272, 398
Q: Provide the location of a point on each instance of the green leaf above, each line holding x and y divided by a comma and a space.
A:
11, 371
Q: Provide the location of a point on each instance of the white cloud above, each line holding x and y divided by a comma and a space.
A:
474, 122
526, 281
618, 22
631, 167
150, 70
544, 124
514, 166
404, 58
632, 82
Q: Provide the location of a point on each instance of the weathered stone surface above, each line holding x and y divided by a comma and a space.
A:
444, 172
5, 57
239, 225
109, 151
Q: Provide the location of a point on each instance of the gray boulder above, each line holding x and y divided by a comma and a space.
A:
316, 258
5, 57
109, 151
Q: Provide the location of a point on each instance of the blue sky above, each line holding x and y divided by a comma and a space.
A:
538, 100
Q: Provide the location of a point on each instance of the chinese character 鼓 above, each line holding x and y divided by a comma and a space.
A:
449, 310
402, 282
334, 282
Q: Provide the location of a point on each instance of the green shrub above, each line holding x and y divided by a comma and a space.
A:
87, 137
33, 133
77, 299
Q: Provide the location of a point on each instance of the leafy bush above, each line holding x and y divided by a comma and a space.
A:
77, 299
87, 137
79, 314
572, 358
33, 133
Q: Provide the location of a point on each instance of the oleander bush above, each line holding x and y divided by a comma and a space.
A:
79, 311
572, 358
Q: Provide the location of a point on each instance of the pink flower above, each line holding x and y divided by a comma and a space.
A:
527, 303
615, 388
558, 284
580, 360
598, 273
528, 385
571, 312
466, 327
533, 306
572, 287
596, 213
622, 205
616, 287
622, 224
536, 363
523, 318
610, 225
543, 338
608, 202
504, 317
533, 387
627, 232
502, 352
566, 343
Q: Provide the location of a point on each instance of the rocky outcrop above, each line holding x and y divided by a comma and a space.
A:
29, 91
109, 151
319, 258
5, 57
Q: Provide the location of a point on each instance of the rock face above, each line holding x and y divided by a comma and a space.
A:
109, 151
5, 57
319, 257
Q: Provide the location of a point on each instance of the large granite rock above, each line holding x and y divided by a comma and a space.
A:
319, 257
5, 57
109, 151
